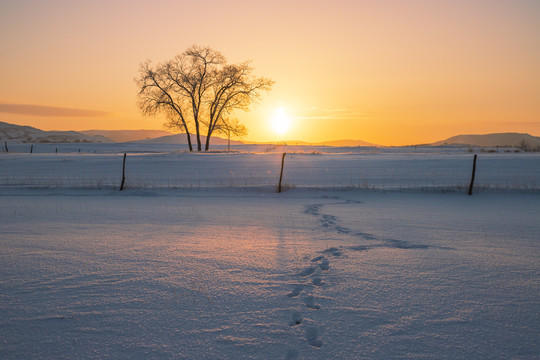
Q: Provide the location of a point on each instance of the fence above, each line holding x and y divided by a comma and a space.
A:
381, 171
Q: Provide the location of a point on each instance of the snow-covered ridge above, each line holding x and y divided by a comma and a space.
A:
27, 134
127, 135
499, 139
182, 139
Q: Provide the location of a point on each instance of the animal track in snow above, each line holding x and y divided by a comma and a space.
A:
333, 251
332, 223
366, 236
310, 303
312, 337
312, 209
326, 220
296, 318
295, 292
402, 244
329, 221
359, 248
307, 271
325, 265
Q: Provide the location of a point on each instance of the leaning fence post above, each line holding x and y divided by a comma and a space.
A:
5, 145
32, 149
473, 174
123, 173
281, 174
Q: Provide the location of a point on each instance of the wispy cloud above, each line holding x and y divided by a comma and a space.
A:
39, 110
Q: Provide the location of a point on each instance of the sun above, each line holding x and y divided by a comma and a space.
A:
281, 122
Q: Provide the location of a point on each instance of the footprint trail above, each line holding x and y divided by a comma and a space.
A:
309, 280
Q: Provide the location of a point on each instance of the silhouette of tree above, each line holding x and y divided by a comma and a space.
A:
523, 145
198, 90
157, 95
231, 127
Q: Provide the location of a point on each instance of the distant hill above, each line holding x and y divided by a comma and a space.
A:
347, 142
492, 140
27, 134
127, 135
182, 139
338, 143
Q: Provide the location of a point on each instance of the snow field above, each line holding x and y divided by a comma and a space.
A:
421, 170
306, 274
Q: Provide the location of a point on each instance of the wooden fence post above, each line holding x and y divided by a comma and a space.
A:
281, 174
123, 173
5, 144
32, 149
473, 174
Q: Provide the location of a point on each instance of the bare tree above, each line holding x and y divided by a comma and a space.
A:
235, 88
523, 145
231, 127
198, 89
192, 74
158, 95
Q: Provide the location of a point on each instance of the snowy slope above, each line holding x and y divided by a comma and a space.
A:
157, 166
259, 275
347, 142
127, 135
200, 258
492, 140
181, 139
27, 134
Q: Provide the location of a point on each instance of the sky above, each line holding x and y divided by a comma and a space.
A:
390, 72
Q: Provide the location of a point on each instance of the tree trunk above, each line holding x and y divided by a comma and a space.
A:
189, 141
199, 145
197, 132
207, 145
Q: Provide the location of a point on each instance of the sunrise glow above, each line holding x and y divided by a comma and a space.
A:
281, 122
387, 72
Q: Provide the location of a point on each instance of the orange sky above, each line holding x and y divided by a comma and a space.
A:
387, 72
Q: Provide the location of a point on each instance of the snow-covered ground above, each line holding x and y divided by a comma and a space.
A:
99, 166
225, 271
